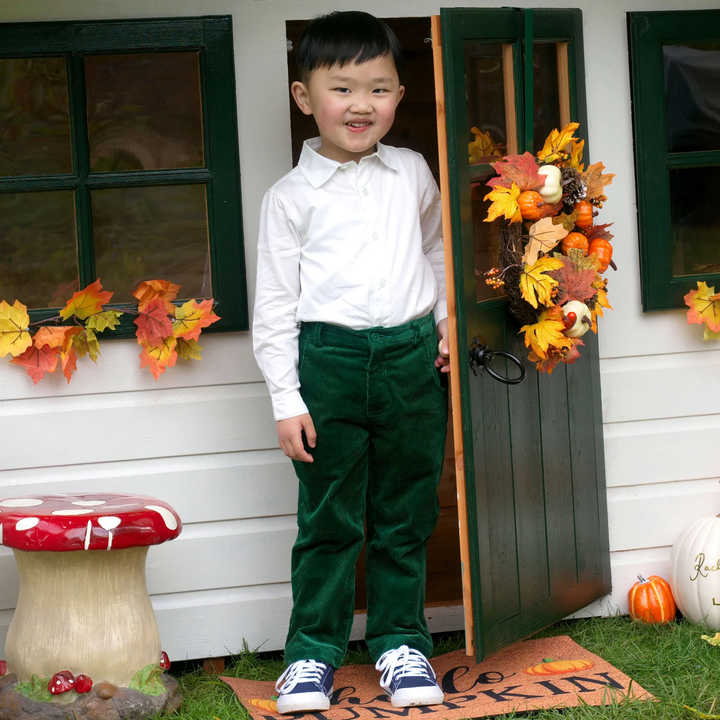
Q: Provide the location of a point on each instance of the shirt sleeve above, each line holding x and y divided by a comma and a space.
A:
431, 225
275, 327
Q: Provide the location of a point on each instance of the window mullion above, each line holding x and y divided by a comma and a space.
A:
81, 165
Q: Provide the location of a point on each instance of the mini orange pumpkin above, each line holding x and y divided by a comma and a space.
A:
651, 600
574, 240
558, 667
533, 207
604, 250
585, 217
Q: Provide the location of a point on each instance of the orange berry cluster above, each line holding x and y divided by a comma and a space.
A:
493, 278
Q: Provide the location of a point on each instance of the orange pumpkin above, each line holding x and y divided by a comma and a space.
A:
603, 249
533, 207
585, 217
574, 240
558, 667
651, 601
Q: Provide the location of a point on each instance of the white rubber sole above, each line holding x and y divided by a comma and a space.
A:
417, 696
303, 702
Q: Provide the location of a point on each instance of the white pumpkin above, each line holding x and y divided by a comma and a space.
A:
551, 192
580, 326
695, 572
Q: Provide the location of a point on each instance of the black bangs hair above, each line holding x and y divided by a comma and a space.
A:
340, 38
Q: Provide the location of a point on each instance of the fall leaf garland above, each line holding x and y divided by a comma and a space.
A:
164, 330
555, 288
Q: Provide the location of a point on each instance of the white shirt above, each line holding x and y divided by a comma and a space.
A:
353, 244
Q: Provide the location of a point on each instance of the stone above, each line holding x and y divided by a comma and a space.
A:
105, 690
123, 704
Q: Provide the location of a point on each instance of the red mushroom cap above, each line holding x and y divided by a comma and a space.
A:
164, 661
3, 667
83, 684
97, 521
61, 682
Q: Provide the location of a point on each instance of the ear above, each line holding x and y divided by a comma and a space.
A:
401, 92
301, 96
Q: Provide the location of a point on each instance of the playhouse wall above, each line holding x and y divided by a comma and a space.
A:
202, 437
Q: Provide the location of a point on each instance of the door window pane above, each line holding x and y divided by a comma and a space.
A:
34, 117
692, 96
38, 256
486, 238
158, 232
490, 100
144, 111
546, 93
695, 223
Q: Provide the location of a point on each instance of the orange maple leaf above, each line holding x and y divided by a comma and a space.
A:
151, 289
54, 336
573, 284
519, 169
87, 302
192, 317
704, 304
38, 361
153, 322
157, 356
595, 181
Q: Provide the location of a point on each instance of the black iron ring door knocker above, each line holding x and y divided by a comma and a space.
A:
482, 356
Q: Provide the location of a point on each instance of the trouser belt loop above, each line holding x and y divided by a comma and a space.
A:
317, 332
416, 332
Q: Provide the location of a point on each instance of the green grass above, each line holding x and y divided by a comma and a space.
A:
670, 661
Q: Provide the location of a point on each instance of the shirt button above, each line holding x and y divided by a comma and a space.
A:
366, 191
382, 283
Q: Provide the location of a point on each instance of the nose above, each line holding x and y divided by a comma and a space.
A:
362, 102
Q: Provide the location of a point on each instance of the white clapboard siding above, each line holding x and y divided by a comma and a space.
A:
201, 488
132, 425
661, 451
226, 359
661, 386
206, 556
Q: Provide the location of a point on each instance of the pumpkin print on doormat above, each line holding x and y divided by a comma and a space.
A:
499, 685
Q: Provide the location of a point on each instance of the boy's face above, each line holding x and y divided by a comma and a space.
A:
354, 105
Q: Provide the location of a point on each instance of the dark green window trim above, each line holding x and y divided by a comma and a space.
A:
648, 32
212, 37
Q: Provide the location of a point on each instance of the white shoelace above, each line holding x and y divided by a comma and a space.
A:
403, 662
299, 672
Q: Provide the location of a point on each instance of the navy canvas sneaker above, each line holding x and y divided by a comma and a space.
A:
306, 686
408, 678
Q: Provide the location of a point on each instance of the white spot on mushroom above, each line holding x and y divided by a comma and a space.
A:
167, 516
89, 503
88, 533
109, 523
1, 532
21, 502
71, 512
27, 523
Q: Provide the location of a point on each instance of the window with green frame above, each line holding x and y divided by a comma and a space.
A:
675, 75
119, 161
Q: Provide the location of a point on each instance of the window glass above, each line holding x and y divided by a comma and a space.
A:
149, 125
546, 93
695, 222
152, 232
692, 96
34, 117
38, 255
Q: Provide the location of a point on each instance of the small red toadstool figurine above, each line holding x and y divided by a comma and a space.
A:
164, 661
83, 684
61, 682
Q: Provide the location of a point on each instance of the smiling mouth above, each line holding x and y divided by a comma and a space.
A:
358, 125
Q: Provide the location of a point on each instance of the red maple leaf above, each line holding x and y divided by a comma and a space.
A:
153, 322
38, 361
573, 284
599, 232
519, 169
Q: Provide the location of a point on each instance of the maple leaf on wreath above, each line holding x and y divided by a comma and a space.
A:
576, 154
86, 302
704, 304
600, 232
573, 284
536, 285
14, 335
192, 317
556, 143
547, 332
595, 181
153, 322
519, 169
38, 361
544, 236
567, 355
504, 202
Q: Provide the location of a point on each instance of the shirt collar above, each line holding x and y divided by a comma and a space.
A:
318, 169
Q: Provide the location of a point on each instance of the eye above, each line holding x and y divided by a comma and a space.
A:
343, 90
380, 90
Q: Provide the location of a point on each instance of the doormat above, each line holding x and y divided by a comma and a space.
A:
530, 675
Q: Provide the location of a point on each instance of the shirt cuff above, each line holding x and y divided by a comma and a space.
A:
440, 311
288, 405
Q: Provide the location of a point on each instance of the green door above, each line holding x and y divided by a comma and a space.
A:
533, 451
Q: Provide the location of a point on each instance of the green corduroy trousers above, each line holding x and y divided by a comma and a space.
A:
379, 406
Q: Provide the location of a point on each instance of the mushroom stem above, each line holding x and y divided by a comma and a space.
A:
84, 611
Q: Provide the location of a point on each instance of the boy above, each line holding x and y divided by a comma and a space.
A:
350, 288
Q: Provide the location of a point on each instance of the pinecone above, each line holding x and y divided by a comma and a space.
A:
573, 188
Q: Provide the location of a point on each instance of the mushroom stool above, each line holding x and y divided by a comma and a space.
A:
83, 607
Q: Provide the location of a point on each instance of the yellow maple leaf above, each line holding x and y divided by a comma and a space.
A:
704, 304
86, 343
104, 320
188, 349
483, 148
554, 148
602, 302
14, 335
544, 236
158, 355
546, 332
191, 317
86, 302
535, 285
576, 153
504, 202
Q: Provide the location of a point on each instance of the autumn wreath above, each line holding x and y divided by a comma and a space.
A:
552, 255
